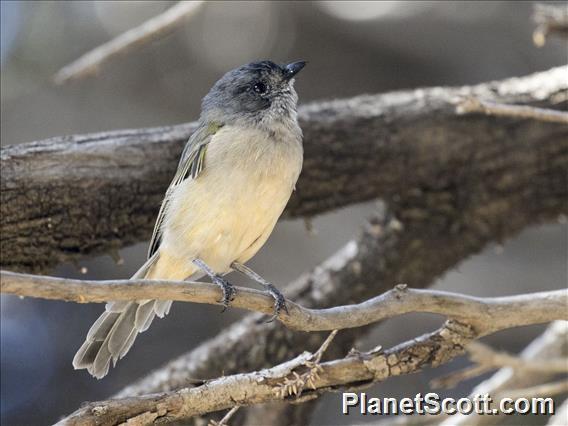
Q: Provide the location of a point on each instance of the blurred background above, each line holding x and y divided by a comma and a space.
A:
352, 48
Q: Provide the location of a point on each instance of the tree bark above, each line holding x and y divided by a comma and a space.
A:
69, 197
303, 377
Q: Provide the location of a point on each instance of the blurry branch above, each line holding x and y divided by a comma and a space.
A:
559, 418
483, 354
300, 379
482, 313
100, 192
552, 344
546, 389
487, 359
549, 19
225, 420
89, 63
471, 105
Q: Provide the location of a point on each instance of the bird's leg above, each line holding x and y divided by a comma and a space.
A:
228, 289
279, 300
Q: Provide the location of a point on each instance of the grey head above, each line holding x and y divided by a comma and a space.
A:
260, 93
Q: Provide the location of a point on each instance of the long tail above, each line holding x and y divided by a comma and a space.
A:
112, 335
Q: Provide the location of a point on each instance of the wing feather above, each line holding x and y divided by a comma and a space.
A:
191, 164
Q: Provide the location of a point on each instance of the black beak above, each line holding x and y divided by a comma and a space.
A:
294, 68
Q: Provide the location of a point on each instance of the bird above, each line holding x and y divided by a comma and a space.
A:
235, 176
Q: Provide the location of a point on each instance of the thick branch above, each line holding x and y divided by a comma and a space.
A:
152, 29
289, 380
500, 312
68, 197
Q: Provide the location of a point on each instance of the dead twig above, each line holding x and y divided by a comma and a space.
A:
90, 62
225, 420
475, 105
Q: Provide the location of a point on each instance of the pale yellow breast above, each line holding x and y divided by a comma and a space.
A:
235, 203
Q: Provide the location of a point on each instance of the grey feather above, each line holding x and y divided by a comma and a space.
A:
143, 312
114, 332
86, 354
116, 306
147, 324
122, 329
127, 345
162, 307
102, 326
101, 363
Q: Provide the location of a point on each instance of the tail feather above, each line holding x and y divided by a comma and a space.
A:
114, 332
162, 307
116, 306
122, 328
147, 324
102, 326
143, 313
128, 344
100, 365
86, 354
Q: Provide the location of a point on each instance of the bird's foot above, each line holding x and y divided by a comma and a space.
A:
279, 301
229, 291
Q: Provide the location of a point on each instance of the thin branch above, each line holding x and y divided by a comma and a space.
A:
265, 386
297, 383
319, 353
156, 27
225, 420
498, 312
549, 19
474, 105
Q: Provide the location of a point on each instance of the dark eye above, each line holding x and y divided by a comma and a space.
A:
260, 87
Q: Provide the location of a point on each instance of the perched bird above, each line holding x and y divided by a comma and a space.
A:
234, 178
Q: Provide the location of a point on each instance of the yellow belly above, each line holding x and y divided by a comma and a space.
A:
228, 212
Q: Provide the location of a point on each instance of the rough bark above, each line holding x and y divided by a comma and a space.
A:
279, 382
69, 197
302, 378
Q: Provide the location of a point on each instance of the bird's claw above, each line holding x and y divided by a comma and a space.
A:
229, 291
279, 302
